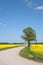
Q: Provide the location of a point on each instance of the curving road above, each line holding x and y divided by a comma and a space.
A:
11, 57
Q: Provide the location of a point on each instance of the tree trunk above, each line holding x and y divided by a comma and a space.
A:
28, 43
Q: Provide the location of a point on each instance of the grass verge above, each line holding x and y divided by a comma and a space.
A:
26, 53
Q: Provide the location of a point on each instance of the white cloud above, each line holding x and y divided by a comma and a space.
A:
26, 1
31, 4
3, 24
39, 8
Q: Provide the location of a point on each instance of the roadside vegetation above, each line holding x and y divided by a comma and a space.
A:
34, 52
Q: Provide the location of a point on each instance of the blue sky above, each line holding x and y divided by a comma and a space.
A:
15, 15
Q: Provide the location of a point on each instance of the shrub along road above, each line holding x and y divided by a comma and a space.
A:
11, 57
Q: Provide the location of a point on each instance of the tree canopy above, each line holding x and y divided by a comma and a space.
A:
29, 35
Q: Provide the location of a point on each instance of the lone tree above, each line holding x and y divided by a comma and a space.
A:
29, 35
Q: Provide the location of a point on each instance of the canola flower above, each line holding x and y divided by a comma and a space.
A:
9, 45
37, 48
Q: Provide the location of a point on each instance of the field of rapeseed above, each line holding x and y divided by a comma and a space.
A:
37, 48
6, 46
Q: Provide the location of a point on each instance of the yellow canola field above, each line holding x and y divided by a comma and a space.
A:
9, 45
37, 48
